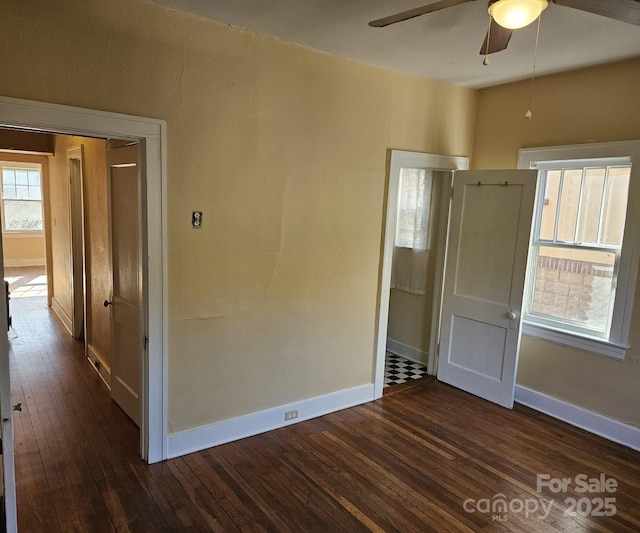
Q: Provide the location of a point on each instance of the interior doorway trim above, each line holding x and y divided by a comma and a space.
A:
54, 118
75, 169
402, 159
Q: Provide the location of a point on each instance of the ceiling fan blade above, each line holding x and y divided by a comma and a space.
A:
624, 10
498, 38
416, 12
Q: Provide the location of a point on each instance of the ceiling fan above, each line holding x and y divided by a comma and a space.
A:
507, 15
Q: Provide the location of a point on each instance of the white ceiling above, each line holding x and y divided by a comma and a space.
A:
443, 45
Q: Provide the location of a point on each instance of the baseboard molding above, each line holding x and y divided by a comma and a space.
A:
194, 440
408, 352
24, 262
102, 368
62, 315
577, 416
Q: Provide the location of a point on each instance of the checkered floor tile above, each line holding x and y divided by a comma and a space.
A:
400, 370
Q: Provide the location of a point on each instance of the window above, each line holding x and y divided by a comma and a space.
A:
21, 198
580, 278
414, 202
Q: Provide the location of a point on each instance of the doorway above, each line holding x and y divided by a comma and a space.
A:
20, 114
94, 245
441, 167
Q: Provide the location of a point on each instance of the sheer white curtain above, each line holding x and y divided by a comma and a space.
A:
409, 271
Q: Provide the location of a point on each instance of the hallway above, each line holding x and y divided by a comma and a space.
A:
72, 442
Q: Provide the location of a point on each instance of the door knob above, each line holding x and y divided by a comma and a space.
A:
511, 315
107, 303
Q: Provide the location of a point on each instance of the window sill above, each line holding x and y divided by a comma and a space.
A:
580, 342
21, 234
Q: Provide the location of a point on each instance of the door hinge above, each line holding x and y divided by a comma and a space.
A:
146, 342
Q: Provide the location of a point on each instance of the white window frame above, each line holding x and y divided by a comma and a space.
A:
16, 165
616, 344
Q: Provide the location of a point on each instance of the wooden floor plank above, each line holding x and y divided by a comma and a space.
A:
407, 462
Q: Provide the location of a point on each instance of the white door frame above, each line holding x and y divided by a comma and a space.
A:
397, 160
53, 118
77, 241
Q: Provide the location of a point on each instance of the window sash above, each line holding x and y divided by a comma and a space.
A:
563, 323
544, 198
29, 169
613, 341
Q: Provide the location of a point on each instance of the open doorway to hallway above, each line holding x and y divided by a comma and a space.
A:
24, 115
83, 210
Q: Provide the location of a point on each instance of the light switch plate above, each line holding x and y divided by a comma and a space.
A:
196, 219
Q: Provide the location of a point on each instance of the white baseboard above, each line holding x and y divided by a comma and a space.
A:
194, 440
62, 315
102, 368
408, 352
24, 262
577, 416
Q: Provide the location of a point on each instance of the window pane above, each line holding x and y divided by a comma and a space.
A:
569, 202
34, 193
574, 287
550, 205
34, 178
414, 199
615, 206
22, 192
8, 177
590, 204
22, 216
8, 191
22, 177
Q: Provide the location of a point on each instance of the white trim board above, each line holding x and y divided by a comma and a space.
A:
582, 418
408, 352
102, 369
61, 314
54, 118
193, 440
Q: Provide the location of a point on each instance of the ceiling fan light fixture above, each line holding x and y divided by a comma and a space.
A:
514, 14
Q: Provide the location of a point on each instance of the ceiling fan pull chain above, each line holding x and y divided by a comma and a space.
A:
485, 61
528, 114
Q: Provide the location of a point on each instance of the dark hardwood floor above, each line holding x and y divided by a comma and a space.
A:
426, 457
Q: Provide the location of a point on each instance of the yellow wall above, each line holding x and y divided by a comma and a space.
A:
23, 250
60, 227
98, 276
410, 322
96, 237
597, 104
98, 283
283, 149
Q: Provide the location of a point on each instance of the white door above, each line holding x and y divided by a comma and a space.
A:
7, 469
487, 248
127, 343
